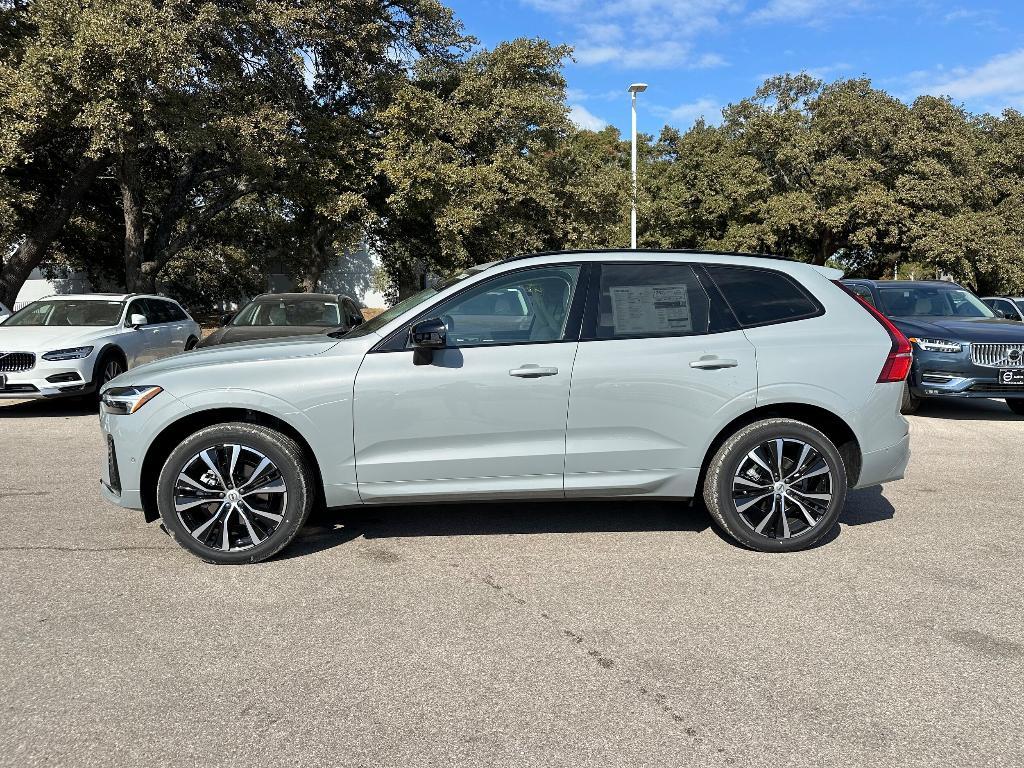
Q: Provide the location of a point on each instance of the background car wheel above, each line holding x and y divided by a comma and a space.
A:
776, 486
235, 493
911, 402
110, 366
1016, 404
191, 343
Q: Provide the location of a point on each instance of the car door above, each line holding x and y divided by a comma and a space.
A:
353, 316
1007, 307
176, 327
487, 415
661, 367
140, 343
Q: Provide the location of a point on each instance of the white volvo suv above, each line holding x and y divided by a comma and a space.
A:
760, 384
72, 345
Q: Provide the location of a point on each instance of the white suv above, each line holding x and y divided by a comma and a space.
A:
759, 384
72, 345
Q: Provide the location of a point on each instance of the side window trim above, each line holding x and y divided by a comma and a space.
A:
395, 341
589, 330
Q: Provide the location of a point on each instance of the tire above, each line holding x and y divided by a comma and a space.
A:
110, 365
911, 402
259, 525
733, 473
1016, 404
191, 344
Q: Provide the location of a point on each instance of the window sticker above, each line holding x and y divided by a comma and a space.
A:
651, 309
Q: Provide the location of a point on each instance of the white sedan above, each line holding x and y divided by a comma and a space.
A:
72, 345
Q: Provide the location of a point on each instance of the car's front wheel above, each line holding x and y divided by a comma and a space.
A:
777, 485
911, 402
235, 493
1016, 404
109, 366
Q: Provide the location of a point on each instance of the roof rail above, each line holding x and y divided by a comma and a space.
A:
694, 251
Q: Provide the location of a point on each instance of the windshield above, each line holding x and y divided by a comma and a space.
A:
68, 312
285, 312
931, 301
385, 317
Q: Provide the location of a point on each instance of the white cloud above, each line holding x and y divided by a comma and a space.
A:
809, 11
648, 34
787, 10
583, 118
1002, 75
685, 115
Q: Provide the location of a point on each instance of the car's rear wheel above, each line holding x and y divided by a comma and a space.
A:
191, 343
1016, 404
911, 402
777, 485
235, 493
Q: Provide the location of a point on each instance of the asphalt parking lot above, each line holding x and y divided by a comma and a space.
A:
613, 634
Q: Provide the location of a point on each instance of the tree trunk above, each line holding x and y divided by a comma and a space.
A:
135, 277
824, 250
14, 271
322, 251
411, 279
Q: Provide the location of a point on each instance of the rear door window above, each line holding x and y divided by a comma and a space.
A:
640, 300
174, 313
763, 296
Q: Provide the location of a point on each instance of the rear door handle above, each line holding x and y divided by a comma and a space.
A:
713, 363
531, 371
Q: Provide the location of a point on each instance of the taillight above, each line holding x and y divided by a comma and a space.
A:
901, 355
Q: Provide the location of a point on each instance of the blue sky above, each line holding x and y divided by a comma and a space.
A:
698, 55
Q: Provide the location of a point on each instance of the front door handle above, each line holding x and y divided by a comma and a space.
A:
530, 371
712, 363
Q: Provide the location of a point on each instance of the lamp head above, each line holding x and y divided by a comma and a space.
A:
638, 88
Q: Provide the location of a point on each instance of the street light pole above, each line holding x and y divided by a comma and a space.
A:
634, 89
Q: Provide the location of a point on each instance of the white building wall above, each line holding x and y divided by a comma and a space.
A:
37, 287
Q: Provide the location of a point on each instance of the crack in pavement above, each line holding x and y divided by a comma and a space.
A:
634, 684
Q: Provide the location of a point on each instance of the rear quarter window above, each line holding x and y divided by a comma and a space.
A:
763, 296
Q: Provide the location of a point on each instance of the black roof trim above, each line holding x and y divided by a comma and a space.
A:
898, 282
692, 251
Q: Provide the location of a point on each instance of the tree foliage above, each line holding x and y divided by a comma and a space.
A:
190, 144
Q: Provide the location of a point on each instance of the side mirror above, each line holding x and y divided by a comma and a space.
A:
137, 321
425, 337
227, 318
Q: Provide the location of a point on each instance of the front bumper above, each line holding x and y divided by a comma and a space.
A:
46, 379
943, 374
128, 438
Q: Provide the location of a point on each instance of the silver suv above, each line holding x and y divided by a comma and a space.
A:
760, 384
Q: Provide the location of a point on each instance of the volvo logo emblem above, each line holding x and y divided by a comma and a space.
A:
1013, 353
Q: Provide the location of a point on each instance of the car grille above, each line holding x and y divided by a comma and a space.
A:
15, 362
998, 355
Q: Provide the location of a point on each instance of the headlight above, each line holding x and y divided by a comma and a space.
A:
938, 345
75, 353
126, 400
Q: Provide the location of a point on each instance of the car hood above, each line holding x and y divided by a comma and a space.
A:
46, 338
242, 352
234, 333
974, 329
